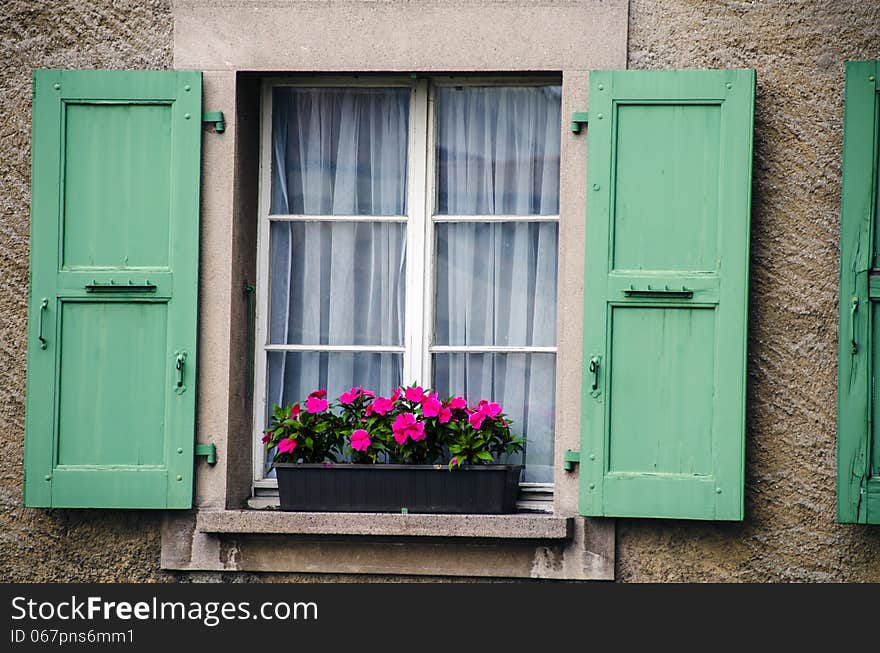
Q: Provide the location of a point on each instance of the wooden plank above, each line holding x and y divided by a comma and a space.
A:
857, 254
114, 251
668, 200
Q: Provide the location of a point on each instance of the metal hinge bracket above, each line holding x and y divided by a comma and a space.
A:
570, 459
209, 451
215, 117
578, 120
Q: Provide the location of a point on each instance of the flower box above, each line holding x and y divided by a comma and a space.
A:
333, 487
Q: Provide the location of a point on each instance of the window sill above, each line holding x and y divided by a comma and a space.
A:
264, 522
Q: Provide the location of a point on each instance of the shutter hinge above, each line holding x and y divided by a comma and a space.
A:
578, 119
209, 451
215, 117
570, 459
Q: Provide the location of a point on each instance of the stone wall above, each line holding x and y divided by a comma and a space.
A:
798, 50
58, 545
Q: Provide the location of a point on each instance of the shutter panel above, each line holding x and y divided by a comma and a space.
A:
666, 288
114, 269
858, 454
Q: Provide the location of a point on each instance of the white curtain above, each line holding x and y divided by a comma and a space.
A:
498, 154
337, 152
498, 150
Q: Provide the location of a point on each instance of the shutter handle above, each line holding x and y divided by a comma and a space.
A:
594, 370
43, 306
179, 365
852, 324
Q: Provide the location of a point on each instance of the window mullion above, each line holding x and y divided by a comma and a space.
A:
413, 369
427, 335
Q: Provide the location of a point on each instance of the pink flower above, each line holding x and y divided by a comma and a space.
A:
287, 445
406, 426
381, 405
457, 403
431, 405
476, 419
400, 436
490, 409
294, 411
415, 394
395, 395
360, 440
417, 433
266, 437
349, 397
367, 393
316, 405
445, 415
320, 394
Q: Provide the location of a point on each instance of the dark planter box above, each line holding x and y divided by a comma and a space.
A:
487, 489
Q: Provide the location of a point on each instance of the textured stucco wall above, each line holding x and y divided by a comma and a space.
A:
798, 49
56, 545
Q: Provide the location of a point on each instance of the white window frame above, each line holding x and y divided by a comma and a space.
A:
421, 216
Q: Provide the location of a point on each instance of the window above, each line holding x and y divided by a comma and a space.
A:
409, 232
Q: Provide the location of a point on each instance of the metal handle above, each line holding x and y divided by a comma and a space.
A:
852, 324
121, 287
180, 363
665, 292
594, 370
43, 306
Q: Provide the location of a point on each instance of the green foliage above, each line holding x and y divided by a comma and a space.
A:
411, 426
297, 435
474, 446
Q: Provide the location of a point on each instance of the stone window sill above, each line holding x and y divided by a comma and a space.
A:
271, 522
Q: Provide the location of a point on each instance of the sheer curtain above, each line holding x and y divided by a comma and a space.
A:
337, 152
498, 154
498, 150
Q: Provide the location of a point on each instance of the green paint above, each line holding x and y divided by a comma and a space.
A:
669, 188
578, 120
114, 249
858, 488
662, 365
659, 163
116, 206
109, 364
216, 119
570, 459
209, 451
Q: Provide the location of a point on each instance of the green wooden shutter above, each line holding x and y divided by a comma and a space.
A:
858, 435
112, 308
666, 289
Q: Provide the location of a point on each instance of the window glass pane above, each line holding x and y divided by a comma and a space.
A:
496, 284
337, 283
524, 385
498, 150
339, 151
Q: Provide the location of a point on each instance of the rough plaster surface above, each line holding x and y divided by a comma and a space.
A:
57, 545
798, 50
